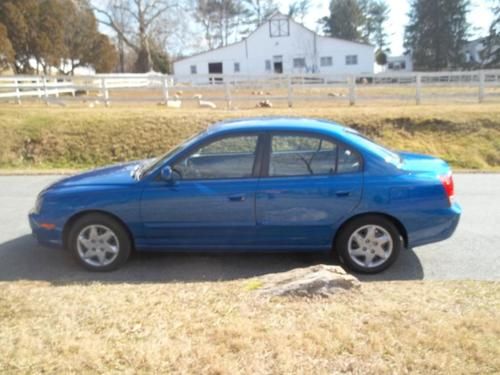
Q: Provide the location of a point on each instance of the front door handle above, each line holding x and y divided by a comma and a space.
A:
237, 198
342, 193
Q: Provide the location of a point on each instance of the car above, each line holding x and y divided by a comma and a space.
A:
258, 184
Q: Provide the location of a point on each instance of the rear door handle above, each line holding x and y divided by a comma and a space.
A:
237, 198
342, 193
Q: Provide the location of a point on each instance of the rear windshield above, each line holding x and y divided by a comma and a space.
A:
385, 153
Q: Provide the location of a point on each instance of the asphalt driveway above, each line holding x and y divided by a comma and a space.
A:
472, 253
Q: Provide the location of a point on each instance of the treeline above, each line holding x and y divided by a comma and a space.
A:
39, 35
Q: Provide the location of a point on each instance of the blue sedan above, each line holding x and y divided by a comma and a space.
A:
265, 184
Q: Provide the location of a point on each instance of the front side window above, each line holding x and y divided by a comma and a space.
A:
230, 157
193, 69
236, 67
297, 155
299, 62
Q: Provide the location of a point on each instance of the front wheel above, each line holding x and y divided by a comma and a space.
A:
99, 243
369, 244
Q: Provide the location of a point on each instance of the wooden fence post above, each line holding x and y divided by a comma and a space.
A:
105, 92
18, 93
418, 91
290, 91
45, 92
352, 90
39, 92
165, 89
227, 93
481, 86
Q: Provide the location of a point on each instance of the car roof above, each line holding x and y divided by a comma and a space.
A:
278, 123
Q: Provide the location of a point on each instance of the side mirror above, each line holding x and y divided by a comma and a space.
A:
167, 174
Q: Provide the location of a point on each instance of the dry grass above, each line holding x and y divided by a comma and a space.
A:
224, 328
35, 136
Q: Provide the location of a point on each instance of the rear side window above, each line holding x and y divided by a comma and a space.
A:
295, 155
349, 160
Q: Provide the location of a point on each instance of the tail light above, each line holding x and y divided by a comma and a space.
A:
449, 186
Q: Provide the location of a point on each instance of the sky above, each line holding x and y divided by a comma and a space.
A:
480, 17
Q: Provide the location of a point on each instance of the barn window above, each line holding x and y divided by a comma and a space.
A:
268, 65
236, 67
326, 61
299, 62
193, 69
279, 28
351, 60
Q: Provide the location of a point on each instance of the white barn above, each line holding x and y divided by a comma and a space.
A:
281, 45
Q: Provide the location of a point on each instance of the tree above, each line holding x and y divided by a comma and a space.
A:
491, 54
221, 20
84, 45
345, 20
7, 54
298, 9
134, 22
34, 28
375, 14
259, 10
381, 57
437, 33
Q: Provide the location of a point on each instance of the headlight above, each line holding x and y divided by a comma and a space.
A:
38, 204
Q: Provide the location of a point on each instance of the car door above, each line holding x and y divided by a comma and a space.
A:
311, 184
211, 202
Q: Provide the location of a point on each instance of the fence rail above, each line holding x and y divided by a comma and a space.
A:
290, 89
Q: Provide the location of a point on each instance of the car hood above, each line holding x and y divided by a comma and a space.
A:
117, 174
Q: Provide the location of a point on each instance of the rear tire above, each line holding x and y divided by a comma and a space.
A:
368, 244
99, 243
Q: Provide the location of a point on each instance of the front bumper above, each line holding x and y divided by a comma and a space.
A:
44, 236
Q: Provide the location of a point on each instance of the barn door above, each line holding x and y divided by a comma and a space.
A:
215, 68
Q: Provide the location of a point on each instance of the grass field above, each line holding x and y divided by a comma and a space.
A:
225, 328
35, 136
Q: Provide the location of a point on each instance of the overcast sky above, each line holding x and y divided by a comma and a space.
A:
480, 18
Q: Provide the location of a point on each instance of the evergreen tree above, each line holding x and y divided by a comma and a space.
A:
491, 54
437, 33
376, 14
345, 21
7, 54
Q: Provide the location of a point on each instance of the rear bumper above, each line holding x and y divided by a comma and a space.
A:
47, 237
437, 227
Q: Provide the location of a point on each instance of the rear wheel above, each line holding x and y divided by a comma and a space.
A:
369, 244
99, 243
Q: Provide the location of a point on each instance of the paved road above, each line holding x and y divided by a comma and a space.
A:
473, 252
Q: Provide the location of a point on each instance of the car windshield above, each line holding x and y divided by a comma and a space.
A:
388, 155
152, 164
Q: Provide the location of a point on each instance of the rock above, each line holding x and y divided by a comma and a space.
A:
318, 280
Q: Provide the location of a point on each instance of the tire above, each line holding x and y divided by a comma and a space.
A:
99, 243
369, 244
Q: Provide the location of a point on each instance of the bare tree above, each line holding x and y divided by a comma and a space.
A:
133, 22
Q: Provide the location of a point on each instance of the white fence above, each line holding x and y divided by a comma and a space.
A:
477, 86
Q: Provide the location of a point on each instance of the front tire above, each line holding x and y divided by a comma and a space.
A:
99, 242
369, 244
